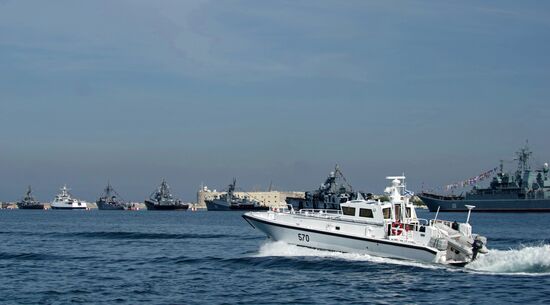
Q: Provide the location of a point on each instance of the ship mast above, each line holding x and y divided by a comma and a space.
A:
231, 190
523, 158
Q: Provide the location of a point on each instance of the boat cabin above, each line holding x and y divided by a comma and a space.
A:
398, 209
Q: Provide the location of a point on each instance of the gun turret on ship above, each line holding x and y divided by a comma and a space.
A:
230, 202
525, 190
28, 202
162, 199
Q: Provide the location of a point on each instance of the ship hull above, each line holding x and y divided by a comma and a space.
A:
31, 207
319, 239
495, 205
217, 205
67, 208
158, 207
109, 207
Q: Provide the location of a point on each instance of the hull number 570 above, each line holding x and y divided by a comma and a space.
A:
303, 237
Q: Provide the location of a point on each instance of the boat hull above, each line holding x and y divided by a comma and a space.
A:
159, 207
102, 205
110, 207
31, 206
215, 205
67, 208
496, 205
318, 239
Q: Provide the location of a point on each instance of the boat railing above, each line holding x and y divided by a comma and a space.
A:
337, 215
320, 213
324, 213
444, 222
423, 221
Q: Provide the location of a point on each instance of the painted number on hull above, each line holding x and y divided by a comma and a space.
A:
303, 237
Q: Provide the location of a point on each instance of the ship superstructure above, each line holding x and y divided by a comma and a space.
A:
334, 191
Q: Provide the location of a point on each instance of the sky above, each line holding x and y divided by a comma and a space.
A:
269, 92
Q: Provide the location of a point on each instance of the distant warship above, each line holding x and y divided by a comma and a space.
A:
28, 202
161, 199
64, 201
329, 195
230, 202
110, 200
524, 191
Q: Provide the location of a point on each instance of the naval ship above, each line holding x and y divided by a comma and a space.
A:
162, 199
64, 201
525, 190
110, 200
230, 202
329, 195
28, 202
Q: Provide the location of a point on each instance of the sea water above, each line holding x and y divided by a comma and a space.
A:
150, 257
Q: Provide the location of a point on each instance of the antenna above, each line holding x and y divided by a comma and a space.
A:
437, 213
523, 157
337, 171
469, 207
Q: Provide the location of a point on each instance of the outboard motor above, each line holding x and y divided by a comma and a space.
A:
478, 246
455, 226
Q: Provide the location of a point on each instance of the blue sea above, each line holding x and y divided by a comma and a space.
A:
149, 257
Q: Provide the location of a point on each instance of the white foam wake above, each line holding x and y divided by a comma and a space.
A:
526, 260
283, 249
531, 260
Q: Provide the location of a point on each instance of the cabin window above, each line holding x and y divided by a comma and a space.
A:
397, 211
408, 212
348, 211
366, 213
387, 213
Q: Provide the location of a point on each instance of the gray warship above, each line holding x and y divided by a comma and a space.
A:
28, 202
230, 202
329, 195
525, 190
110, 200
162, 200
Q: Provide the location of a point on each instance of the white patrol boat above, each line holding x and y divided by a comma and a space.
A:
387, 229
66, 202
